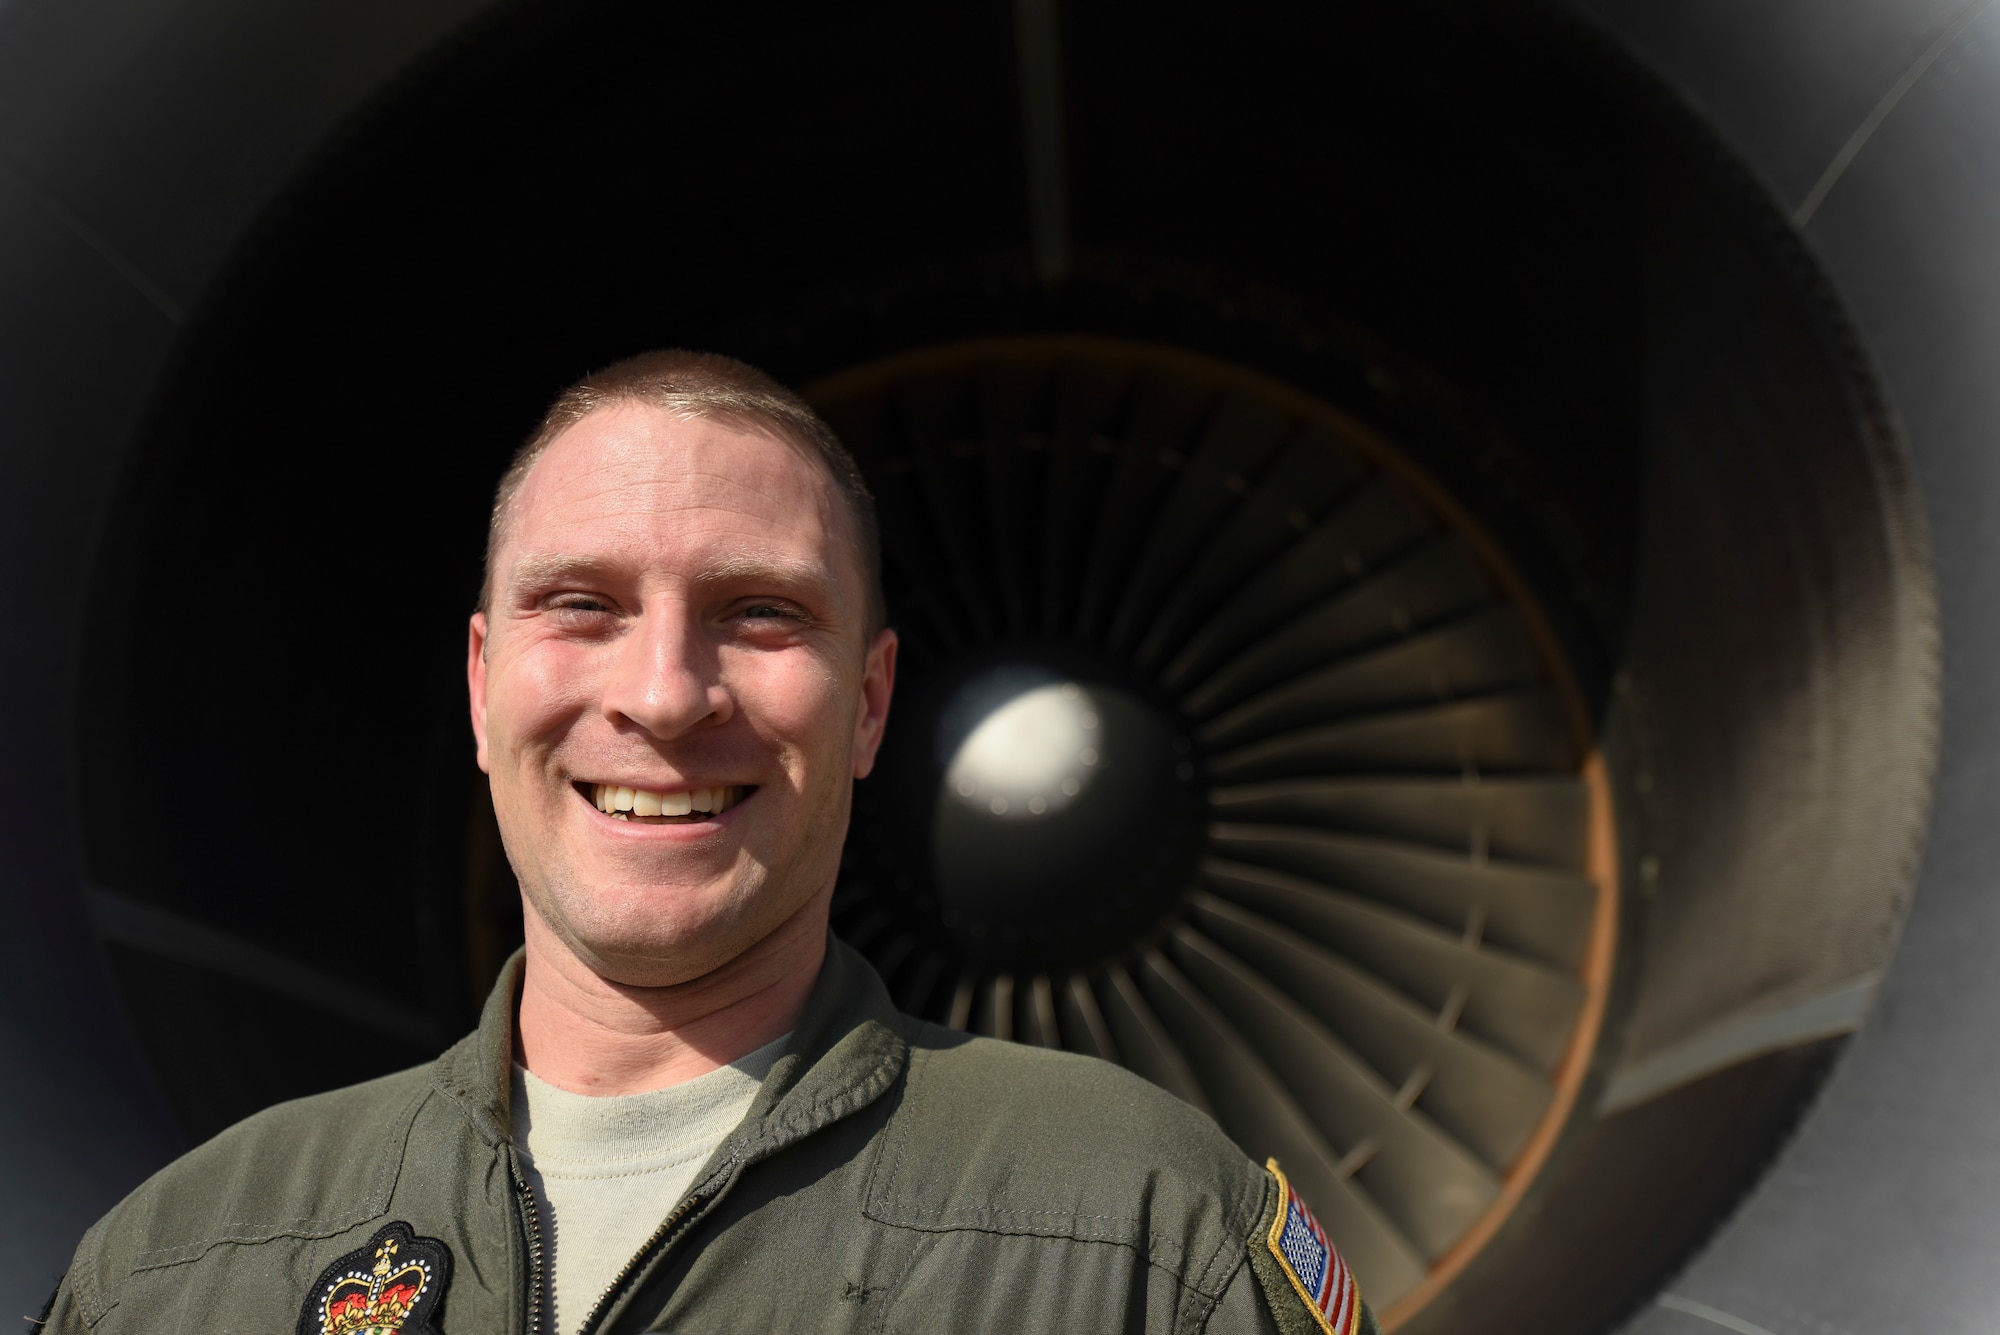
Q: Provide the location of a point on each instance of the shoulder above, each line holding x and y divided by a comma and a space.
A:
1061, 1105
310, 1167
1010, 1139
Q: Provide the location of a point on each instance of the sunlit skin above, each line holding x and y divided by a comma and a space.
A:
676, 603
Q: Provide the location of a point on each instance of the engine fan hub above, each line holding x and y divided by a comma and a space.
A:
1067, 817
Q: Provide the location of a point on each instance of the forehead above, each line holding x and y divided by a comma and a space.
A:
638, 483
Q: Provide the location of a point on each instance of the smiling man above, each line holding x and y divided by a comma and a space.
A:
687, 1107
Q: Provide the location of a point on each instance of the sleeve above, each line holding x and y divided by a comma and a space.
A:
1242, 1309
1279, 1310
1294, 1281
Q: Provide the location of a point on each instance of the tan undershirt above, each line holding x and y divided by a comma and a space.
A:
607, 1171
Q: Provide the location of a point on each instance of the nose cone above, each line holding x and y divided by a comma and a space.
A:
1031, 756
1067, 812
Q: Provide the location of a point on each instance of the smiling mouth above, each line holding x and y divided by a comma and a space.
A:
645, 806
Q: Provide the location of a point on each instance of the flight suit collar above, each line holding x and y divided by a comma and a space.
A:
845, 1051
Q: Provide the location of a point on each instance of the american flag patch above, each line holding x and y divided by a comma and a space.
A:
1311, 1262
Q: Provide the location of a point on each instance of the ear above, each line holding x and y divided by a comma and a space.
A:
878, 680
475, 682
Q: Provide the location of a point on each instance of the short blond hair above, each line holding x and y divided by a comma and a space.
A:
702, 384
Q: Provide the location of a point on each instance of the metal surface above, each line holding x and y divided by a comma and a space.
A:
1901, 1163
1831, 1014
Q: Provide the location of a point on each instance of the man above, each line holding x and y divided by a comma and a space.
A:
687, 1108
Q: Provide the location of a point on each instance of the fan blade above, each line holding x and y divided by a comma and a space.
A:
1520, 731
1241, 436
1509, 1001
1427, 1183
1083, 1026
960, 1015
1312, 474
1168, 413
1482, 1098
1082, 456
1375, 523
1149, 1050
1525, 819
996, 1008
1038, 1014
1542, 912
1435, 582
1486, 652
1262, 1117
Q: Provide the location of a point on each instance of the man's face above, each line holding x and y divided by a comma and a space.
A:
677, 609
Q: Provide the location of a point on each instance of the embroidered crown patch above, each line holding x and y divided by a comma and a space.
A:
1312, 1263
390, 1285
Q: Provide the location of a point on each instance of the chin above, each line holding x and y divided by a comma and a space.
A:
649, 957
669, 933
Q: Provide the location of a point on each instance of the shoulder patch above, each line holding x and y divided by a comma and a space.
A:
1312, 1263
390, 1285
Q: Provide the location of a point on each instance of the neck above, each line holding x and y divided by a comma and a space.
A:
588, 1034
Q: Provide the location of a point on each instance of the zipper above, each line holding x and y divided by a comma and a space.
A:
531, 1219
645, 1254
639, 1258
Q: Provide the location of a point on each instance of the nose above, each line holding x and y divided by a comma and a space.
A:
665, 676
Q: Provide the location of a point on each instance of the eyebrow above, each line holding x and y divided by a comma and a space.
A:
529, 571
756, 569
778, 573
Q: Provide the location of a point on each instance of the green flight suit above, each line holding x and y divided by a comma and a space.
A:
891, 1176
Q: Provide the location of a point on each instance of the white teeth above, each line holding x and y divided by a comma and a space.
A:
619, 802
